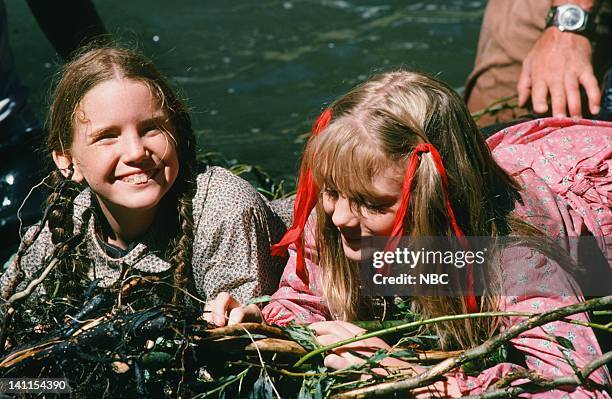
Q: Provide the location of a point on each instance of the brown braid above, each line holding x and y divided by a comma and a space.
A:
60, 205
181, 253
60, 208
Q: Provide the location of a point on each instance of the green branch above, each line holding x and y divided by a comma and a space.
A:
404, 327
447, 365
539, 385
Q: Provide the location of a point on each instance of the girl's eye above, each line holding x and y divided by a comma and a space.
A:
104, 137
151, 129
331, 193
375, 208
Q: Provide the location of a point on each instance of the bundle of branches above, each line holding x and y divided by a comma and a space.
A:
124, 349
169, 351
114, 350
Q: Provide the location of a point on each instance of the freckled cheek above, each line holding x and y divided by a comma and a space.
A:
96, 164
162, 146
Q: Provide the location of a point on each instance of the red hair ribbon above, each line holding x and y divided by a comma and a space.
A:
399, 224
305, 200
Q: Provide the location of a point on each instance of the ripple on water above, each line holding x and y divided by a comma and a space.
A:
372, 11
336, 4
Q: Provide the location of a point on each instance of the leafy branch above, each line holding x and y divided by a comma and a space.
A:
445, 366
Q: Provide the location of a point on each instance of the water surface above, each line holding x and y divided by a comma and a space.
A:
256, 73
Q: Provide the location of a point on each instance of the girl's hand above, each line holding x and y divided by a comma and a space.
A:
329, 332
226, 308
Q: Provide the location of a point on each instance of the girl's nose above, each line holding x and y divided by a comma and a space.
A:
133, 148
343, 215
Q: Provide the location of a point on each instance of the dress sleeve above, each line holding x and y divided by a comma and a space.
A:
545, 286
32, 260
234, 230
297, 300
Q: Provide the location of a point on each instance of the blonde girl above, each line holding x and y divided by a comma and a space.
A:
400, 156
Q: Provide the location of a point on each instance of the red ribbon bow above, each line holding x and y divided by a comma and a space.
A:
399, 224
305, 200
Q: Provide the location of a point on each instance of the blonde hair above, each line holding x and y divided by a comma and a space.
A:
375, 127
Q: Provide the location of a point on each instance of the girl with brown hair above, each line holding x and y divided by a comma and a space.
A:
127, 200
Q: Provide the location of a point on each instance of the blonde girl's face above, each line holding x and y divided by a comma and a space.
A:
355, 220
121, 146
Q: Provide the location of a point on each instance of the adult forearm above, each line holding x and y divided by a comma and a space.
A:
587, 5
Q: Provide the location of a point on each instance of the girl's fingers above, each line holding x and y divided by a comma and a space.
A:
253, 313
323, 327
352, 328
327, 339
340, 360
341, 329
236, 316
334, 361
250, 313
220, 306
346, 351
216, 311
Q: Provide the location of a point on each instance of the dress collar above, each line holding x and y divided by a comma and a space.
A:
145, 256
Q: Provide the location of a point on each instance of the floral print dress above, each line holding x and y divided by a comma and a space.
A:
564, 167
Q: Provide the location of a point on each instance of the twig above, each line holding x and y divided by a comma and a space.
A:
606, 328
540, 384
404, 327
238, 330
263, 364
43, 181
33, 284
275, 345
155, 280
26, 243
447, 365
225, 385
58, 252
496, 106
4, 332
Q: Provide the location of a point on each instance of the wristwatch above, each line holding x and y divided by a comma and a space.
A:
570, 18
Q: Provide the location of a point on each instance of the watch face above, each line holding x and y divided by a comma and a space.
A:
572, 18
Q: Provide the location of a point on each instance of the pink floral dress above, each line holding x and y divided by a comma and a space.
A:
564, 166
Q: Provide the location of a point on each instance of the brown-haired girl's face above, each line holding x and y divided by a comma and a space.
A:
122, 147
355, 220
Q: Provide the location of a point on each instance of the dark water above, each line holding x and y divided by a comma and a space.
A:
256, 73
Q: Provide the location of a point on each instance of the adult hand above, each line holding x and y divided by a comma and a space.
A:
557, 65
226, 308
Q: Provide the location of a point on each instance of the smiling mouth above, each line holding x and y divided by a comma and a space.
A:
139, 178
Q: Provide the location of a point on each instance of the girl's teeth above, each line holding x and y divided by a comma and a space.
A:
137, 179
